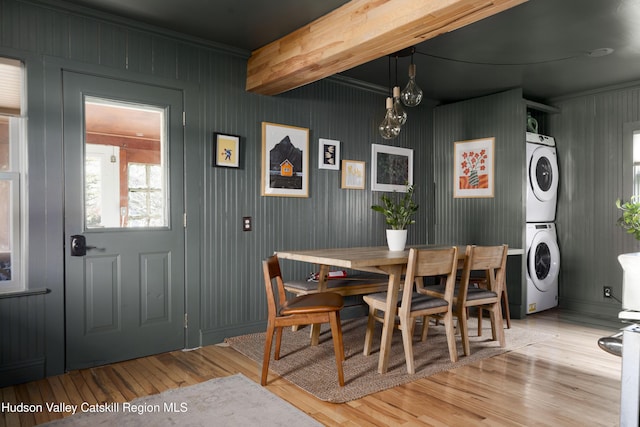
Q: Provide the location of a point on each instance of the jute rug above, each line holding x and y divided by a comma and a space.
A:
313, 368
229, 401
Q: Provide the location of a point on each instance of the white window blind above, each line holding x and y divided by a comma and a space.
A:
10, 87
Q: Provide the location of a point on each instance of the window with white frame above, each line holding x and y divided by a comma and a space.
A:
636, 162
146, 201
12, 171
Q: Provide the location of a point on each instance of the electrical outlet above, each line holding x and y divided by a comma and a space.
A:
246, 223
606, 291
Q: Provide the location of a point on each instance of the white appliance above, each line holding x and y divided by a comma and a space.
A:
630, 278
543, 267
542, 178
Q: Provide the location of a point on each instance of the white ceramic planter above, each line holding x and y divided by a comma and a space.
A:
396, 239
630, 281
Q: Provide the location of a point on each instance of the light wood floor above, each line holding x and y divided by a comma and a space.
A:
565, 381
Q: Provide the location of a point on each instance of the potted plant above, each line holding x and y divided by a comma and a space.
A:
398, 213
630, 262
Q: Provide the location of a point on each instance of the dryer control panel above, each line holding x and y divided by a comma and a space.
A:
536, 138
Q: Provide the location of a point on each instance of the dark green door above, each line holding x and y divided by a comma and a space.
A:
124, 233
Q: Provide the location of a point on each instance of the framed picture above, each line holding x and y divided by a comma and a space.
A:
328, 154
473, 168
285, 161
391, 168
353, 174
226, 150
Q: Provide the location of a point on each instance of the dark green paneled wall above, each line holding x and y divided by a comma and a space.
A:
224, 288
594, 152
484, 221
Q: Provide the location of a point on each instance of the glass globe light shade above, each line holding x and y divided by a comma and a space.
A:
411, 95
398, 111
389, 128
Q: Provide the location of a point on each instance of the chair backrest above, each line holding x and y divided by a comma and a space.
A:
429, 263
271, 271
491, 259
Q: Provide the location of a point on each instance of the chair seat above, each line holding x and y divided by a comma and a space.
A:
472, 294
418, 301
314, 303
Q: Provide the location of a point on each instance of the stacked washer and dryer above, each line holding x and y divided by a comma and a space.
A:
542, 252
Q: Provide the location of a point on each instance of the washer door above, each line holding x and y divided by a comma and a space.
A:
543, 173
543, 263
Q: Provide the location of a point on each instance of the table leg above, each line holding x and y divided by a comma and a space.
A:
389, 317
322, 287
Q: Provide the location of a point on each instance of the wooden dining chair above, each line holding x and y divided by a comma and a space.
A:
411, 305
483, 282
492, 259
297, 311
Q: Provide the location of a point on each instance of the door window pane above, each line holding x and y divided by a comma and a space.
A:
125, 165
146, 203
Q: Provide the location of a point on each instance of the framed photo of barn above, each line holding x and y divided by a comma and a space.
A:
285, 161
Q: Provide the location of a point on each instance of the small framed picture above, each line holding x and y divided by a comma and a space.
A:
226, 150
329, 154
353, 174
391, 168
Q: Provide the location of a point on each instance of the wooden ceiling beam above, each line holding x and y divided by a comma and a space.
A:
358, 32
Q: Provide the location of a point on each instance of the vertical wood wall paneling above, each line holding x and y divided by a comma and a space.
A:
590, 143
22, 357
485, 221
330, 217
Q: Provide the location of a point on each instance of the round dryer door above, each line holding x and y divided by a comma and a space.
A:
543, 263
543, 173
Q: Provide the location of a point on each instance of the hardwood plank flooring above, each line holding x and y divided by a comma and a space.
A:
565, 381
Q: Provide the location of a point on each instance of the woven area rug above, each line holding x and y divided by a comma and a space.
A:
313, 368
229, 401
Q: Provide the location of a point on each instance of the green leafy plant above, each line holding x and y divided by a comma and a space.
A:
398, 213
630, 219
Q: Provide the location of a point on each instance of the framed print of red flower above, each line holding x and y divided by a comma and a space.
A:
474, 168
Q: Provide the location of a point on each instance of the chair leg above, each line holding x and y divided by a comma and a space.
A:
506, 316
425, 327
276, 355
497, 325
406, 325
507, 312
464, 330
368, 337
338, 346
451, 336
267, 354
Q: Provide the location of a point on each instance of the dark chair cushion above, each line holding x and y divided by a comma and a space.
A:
418, 301
472, 294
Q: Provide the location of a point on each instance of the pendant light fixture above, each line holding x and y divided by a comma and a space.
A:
398, 111
390, 126
411, 95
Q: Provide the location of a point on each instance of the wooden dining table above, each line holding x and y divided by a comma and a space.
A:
378, 259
